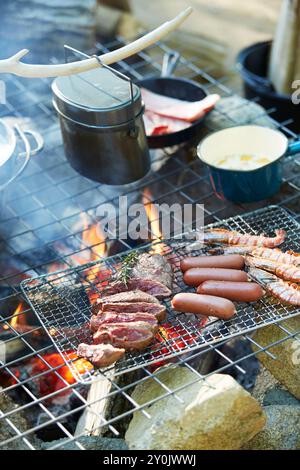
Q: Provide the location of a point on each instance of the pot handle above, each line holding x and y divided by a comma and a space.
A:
293, 148
27, 154
170, 61
38, 139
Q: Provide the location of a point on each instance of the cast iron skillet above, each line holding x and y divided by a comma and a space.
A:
180, 88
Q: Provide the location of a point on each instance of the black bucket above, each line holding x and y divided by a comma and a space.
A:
253, 66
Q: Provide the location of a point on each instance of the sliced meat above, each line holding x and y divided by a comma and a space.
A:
159, 125
154, 267
130, 336
101, 355
155, 288
179, 109
159, 311
114, 317
128, 296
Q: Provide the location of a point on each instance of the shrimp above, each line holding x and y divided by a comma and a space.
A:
288, 272
232, 250
223, 236
277, 255
285, 291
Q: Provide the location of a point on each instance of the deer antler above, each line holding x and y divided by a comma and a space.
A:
13, 64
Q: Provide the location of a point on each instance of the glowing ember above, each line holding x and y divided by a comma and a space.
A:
177, 339
52, 381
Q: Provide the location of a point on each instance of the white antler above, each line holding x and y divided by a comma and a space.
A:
13, 64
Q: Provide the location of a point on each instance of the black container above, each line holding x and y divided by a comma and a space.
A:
253, 63
101, 118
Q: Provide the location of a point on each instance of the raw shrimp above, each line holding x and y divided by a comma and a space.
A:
288, 272
288, 257
285, 291
216, 236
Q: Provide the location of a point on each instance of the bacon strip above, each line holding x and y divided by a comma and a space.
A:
173, 108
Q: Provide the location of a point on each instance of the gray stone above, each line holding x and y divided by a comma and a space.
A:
268, 391
279, 396
15, 420
234, 110
286, 367
213, 414
282, 431
264, 382
89, 443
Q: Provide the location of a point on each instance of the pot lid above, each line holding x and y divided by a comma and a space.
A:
96, 97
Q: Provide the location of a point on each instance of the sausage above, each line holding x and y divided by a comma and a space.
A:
208, 305
237, 291
195, 276
222, 261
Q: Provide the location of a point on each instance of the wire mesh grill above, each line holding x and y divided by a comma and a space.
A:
63, 301
39, 228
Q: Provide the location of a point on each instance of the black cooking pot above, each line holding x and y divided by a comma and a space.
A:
179, 88
253, 64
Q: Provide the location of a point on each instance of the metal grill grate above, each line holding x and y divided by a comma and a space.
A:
62, 301
39, 228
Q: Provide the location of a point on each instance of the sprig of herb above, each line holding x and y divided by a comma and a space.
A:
127, 265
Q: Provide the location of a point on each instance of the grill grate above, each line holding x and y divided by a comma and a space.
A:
39, 227
61, 300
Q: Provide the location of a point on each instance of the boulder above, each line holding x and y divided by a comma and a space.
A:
213, 414
233, 109
282, 431
89, 443
6, 428
286, 367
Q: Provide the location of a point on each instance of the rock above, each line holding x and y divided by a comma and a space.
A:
17, 420
215, 414
89, 443
279, 396
268, 391
264, 382
286, 367
282, 431
234, 110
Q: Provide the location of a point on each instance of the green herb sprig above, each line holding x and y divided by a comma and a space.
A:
126, 268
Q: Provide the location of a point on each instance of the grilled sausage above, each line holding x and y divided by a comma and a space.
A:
208, 305
222, 261
195, 276
237, 291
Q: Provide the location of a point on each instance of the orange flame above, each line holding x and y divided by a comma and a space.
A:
153, 217
93, 246
16, 317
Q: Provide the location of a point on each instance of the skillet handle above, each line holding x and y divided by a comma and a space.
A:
293, 148
170, 61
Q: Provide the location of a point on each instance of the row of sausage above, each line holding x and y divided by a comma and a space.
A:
220, 281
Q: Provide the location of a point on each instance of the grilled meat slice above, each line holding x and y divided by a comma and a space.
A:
127, 296
153, 267
130, 336
100, 355
114, 317
155, 288
159, 311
